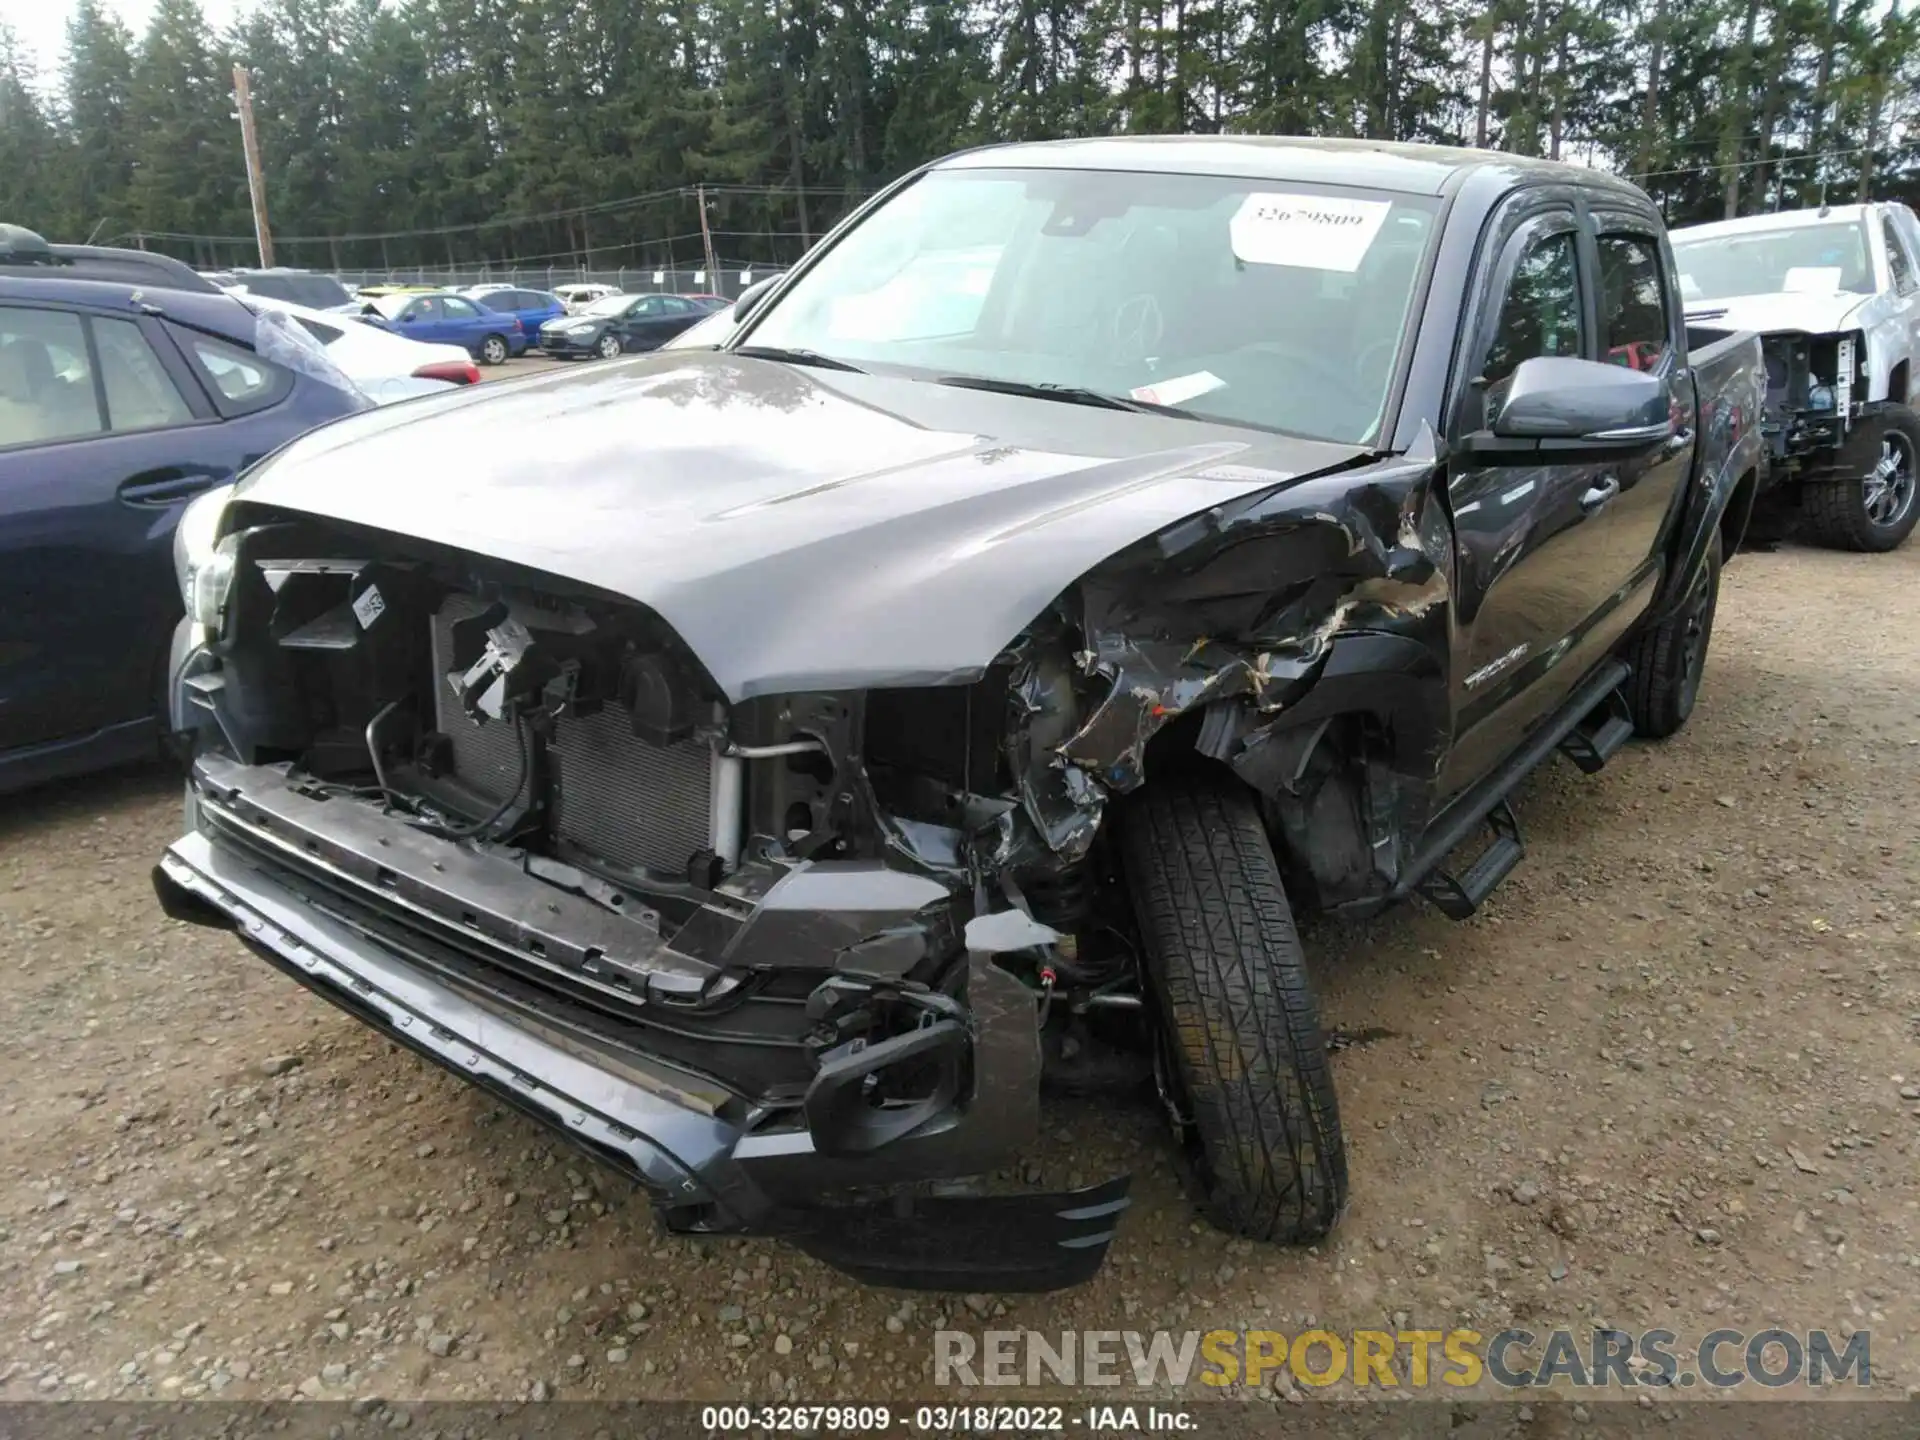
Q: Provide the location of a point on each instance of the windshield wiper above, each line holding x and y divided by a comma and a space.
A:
1047, 390
797, 357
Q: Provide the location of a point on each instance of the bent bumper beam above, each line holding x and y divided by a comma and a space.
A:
676, 1142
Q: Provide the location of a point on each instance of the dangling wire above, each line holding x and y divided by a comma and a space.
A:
465, 832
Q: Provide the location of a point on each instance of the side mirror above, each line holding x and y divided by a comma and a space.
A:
751, 297
1560, 407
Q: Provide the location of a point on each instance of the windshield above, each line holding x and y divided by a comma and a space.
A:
1817, 259
1266, 303
706, 334
607, 305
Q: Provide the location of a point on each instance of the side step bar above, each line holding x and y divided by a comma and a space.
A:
1591, 746
1458, 896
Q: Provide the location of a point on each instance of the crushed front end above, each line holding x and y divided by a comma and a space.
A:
511, 823
1817, 422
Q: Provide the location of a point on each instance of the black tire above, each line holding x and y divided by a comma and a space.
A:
1877, 512
608, 347
1245, 1062
494, 350
1668, 659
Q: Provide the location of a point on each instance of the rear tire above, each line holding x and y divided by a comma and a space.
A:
493, 350
1244, 1062
1877, 512
1668, 659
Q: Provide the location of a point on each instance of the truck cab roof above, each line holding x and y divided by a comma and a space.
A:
1377, 164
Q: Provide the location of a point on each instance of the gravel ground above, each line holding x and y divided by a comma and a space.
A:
1671, 1076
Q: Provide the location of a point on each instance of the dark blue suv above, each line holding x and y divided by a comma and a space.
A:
128, 385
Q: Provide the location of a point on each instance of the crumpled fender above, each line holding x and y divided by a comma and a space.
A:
1236, 613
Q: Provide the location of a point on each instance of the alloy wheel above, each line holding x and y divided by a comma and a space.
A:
1889, 488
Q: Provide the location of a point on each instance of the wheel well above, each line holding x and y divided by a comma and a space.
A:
1311, 781
1733, 519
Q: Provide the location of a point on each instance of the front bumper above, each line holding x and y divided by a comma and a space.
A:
709, 1161
554, 343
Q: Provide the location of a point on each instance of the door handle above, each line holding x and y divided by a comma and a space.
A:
167, 484
1599, 494
1680, 441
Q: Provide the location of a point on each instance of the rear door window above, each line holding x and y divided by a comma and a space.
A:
140, 393
46, 378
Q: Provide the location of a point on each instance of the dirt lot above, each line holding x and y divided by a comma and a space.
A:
1671, 1077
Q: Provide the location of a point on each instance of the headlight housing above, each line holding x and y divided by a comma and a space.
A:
203, 563
586, 328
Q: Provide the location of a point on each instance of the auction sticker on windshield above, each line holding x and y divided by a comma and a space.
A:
1312, 232
1178, 390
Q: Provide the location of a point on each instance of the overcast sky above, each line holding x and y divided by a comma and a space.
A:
42, 24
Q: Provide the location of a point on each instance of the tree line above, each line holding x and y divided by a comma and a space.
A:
433, 132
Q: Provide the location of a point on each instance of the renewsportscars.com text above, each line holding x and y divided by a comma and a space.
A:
1410, 1359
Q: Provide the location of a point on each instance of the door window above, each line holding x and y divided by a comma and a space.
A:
648, 307
1634, 324
458, 309
1897, 259
428, 309
140, 393
1539, 315
46, 382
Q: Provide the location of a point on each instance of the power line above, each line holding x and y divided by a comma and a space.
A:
1784, 158
604, 207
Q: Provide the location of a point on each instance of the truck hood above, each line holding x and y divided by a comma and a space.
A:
800, 528
1788, 313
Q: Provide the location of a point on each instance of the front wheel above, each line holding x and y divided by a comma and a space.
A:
608, 348
1877, 511
1244, 1063
493, 350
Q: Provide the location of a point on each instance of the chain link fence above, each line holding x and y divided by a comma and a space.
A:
729, 280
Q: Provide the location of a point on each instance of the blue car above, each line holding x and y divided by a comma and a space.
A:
128, 385
449, 319
532, 307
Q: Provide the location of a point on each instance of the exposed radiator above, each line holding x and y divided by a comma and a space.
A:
614, 795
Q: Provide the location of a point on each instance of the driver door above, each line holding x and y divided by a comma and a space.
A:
640, 327
1534, 566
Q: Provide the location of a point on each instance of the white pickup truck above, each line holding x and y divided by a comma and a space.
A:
1835, 295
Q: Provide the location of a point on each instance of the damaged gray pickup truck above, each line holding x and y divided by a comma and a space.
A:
1092, 556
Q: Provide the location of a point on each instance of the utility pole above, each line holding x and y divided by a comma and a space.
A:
256, 182
706, 241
